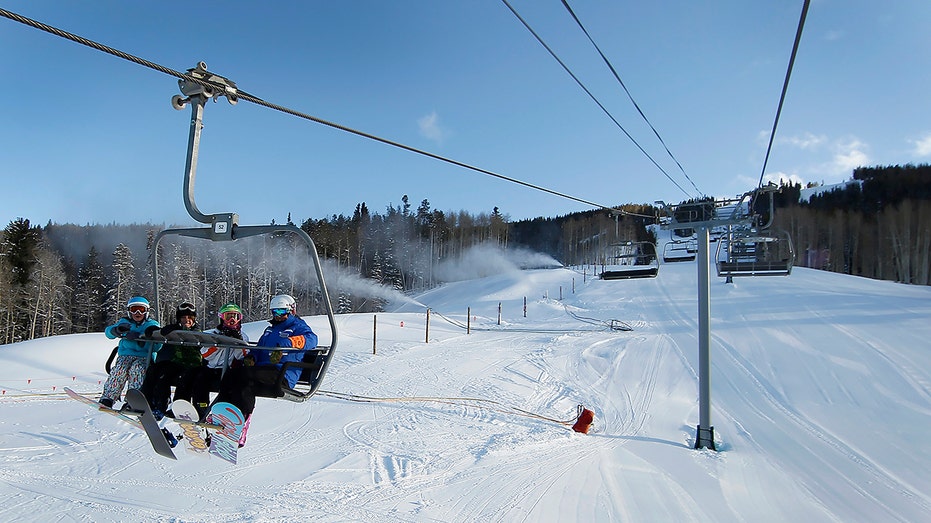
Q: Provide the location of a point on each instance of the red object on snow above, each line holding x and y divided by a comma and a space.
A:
584, 422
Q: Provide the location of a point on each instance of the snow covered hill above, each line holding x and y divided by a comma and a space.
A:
821, 395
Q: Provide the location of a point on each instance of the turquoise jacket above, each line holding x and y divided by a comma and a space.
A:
134, 347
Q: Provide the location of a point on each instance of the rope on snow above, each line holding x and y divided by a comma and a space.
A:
581, 423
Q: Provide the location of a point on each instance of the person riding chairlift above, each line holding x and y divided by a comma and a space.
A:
286, 339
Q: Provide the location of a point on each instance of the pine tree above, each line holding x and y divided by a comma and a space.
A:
123, 284
90, 297
19, 251
20, 244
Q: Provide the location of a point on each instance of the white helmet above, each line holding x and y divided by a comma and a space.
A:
282, 301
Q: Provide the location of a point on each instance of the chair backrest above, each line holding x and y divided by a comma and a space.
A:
109, 363
309, 374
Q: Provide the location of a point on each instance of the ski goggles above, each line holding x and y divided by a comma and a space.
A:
142, 309
186, 309
231, 316
279, 312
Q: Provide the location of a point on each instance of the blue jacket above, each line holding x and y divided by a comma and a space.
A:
293, 333
134, 347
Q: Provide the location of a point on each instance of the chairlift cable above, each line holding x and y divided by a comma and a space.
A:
630, 96
100, 47
589, 93
785, 87
258, 101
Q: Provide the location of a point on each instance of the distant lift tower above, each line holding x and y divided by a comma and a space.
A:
703, 217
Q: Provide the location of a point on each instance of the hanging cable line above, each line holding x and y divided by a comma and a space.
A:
235, 94
261, 102
486, 404
630, 96
589, 93
785, 87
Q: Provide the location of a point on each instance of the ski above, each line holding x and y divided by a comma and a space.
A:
136, 412
132, 420
225, 443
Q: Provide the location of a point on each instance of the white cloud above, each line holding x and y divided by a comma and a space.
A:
430, 127
837, 158
834, 34
781, 177
848, 155
805, 141
922, 145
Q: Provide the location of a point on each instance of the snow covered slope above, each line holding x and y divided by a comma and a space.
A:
821, 394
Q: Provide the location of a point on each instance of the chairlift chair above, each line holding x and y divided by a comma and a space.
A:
630, 259
225, 227
682, 247
755, 254
680, 251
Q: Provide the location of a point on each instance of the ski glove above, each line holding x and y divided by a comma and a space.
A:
296, 342
121, 329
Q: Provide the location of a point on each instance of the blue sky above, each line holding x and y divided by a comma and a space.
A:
87, 137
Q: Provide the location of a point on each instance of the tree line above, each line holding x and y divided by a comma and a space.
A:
64, 278
60, 279
878, 225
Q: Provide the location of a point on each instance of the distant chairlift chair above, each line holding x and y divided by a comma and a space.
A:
630, 260
680, 251
755, 254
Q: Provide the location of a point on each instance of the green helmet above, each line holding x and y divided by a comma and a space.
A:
229, 307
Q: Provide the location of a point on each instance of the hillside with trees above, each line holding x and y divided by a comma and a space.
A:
878, 227
64, 278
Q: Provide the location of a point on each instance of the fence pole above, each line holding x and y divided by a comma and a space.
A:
374, 331
499, 313
427, 334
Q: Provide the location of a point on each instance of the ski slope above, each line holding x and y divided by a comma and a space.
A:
821, 402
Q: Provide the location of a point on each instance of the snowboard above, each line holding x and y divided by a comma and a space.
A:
140, 406
193, 434
224, 443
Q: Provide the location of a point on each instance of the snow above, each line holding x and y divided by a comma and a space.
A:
806, 193
821, 402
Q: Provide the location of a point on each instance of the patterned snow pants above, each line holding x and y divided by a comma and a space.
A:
125, 369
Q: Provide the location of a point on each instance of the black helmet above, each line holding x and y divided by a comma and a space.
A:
185, 309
